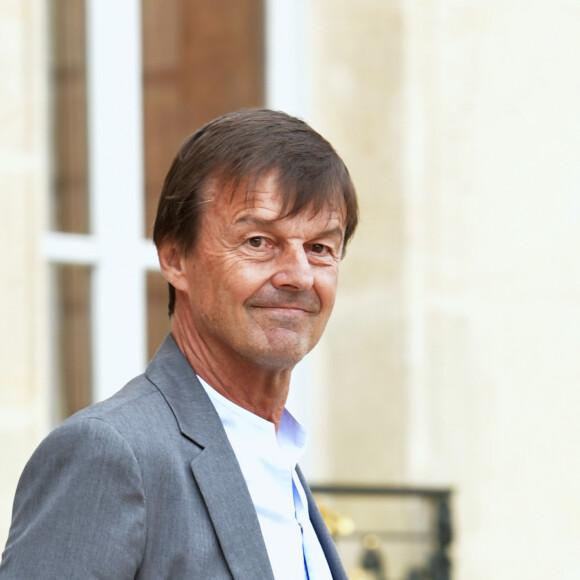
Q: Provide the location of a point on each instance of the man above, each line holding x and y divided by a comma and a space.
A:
190, 470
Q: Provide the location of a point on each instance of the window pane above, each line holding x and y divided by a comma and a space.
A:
71, 331
158, 324
69, 202
200, 59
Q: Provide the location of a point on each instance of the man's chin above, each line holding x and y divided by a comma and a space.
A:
282, 354
280, 359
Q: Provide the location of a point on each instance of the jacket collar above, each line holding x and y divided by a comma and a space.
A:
172, 374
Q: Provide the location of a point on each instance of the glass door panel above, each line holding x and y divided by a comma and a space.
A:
69, 199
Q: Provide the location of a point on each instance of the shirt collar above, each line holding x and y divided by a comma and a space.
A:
243, 425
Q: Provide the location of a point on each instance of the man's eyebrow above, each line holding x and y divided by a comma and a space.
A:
336, 231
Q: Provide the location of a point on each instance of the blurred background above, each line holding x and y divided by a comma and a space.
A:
450, 372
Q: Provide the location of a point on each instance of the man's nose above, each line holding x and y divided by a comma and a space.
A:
293, 270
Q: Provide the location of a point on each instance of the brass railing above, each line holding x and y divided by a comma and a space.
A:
389, 533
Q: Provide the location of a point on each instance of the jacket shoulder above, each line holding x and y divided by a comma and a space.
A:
80, 494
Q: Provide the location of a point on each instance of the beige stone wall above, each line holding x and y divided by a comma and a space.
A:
453, 352
356, 81
23, 118
498, 280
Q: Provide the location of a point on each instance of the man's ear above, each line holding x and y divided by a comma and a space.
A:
172, 262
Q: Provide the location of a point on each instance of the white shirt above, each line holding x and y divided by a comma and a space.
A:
268, 461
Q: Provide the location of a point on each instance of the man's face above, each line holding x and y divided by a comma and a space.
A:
261, 287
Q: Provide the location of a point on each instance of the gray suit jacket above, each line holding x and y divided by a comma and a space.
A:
144, 485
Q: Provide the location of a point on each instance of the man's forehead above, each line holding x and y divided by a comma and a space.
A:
264, 197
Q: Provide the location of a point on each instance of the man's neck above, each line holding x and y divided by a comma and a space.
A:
262, 391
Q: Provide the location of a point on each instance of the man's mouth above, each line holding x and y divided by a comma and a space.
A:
284, 308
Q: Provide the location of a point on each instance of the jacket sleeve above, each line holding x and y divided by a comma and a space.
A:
79, 510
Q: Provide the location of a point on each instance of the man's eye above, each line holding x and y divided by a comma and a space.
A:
319, 248
256, 242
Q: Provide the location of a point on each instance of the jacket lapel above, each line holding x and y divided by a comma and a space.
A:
324, 537
215, 468
232, 512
